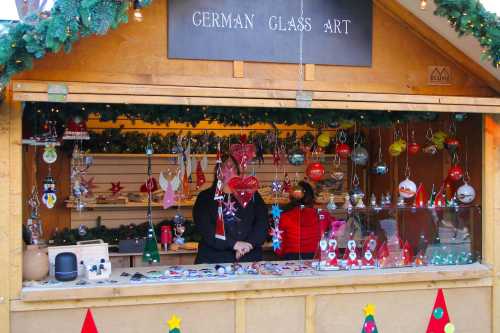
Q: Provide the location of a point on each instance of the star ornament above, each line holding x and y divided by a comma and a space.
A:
276, 211
229, 208
116, 188
174, 323
89, 185
369, 310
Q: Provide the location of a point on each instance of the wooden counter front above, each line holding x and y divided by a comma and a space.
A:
325, 302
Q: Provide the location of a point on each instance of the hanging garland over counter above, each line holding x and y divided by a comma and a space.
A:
469, 17
37, 113
115, 140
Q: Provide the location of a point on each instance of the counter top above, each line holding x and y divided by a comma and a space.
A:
122, 286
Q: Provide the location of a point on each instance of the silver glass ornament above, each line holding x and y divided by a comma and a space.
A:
359, 155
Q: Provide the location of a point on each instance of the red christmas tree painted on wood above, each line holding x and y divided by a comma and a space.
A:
440, 320
89, 324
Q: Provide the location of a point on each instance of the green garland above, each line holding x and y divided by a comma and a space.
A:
114, 141
68, 21
469, 17
36, 113
113, 236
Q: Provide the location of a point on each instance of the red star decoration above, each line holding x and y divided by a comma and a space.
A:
116, 188
89, 185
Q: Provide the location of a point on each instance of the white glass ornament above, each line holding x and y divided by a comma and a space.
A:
407, 188
466, 193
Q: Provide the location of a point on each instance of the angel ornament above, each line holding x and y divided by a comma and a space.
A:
169, 185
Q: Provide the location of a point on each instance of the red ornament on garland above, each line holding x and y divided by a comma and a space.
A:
315, 171
455, 173
343, 150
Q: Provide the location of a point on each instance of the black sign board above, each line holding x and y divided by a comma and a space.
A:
337, 32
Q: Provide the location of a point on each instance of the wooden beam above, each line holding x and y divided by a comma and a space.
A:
5, 225
238, 69
309, 72
259, 102
182, 91
436, 41
16, 202
491, 209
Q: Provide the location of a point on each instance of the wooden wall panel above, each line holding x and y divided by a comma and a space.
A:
400, 62
196, 317
404, 311
278, 315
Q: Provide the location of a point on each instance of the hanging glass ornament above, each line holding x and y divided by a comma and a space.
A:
287, 184
452, 144
407, 188
323, 140
466, 193
438, 139
296, 157
356, 194
346, 123
413, 146
276, 186
459, 117
49, 197
342, 148
380, 167
430, 148
259, 151
315, 171
359, 155
373, 201
455, 172
397, 147
337, 173
50, 154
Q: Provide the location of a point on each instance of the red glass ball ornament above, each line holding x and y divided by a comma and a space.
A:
315, 171
413, 148
455, 173
343, 150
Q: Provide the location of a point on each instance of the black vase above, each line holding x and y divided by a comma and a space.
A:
65, 267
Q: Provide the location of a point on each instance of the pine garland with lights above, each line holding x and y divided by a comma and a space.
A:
37, 113
469, 17
113, 236
67, 22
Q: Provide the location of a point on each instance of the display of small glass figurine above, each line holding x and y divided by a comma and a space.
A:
179, 229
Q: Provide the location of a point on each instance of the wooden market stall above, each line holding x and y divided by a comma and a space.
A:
130, 65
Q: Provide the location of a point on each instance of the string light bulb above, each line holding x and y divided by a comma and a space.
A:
423, 4
137, 11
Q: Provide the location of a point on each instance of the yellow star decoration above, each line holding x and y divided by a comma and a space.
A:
174, 322
369, 310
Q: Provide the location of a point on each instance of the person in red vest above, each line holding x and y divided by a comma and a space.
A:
302, 226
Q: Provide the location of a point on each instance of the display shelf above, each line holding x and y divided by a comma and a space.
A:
93, 205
